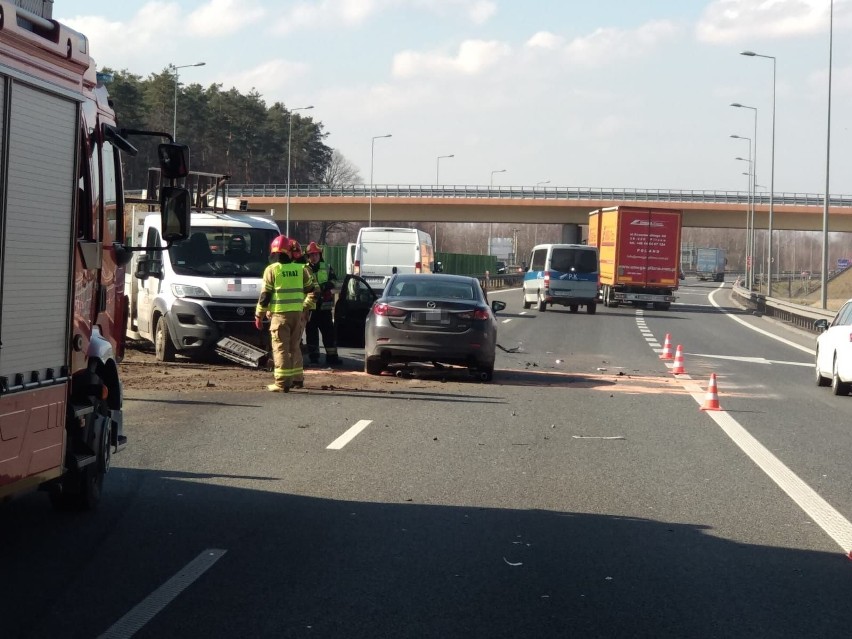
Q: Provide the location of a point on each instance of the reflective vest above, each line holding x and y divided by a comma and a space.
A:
286, 282
321, 275
310, 302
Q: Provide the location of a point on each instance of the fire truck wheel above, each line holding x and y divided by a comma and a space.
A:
164, 350
81, 489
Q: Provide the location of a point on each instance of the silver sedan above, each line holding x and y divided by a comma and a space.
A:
437, 318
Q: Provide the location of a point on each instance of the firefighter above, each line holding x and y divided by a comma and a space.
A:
299, 258
321, 320
287, 289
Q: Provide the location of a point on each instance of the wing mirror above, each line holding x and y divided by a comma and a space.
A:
821, 325
175, 205
497, 306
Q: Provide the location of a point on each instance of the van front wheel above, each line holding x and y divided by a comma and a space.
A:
591, 308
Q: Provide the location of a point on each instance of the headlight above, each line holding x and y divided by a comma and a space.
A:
187, 290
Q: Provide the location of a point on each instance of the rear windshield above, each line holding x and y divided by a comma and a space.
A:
572, 260
448, 290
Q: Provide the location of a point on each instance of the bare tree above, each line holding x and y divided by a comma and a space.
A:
339, 172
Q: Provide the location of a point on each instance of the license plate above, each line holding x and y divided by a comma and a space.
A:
431, 317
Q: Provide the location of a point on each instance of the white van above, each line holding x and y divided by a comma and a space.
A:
564, 274
382, 251
202, 290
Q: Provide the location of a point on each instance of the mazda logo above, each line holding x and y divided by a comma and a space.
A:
241, 311
430, 304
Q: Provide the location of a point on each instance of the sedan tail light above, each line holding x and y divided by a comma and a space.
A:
386, 310
478, 314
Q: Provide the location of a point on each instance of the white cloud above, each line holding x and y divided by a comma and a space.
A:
474, 56
605, 45
545, 40
269, 78
728, 21
223, 17
481, 11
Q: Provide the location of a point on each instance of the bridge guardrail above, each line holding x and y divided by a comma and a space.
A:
534, 193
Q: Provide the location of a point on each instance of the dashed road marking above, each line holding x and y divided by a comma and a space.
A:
349, 435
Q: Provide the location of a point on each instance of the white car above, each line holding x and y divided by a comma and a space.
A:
834, 351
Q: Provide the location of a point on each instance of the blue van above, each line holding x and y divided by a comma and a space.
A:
564, 274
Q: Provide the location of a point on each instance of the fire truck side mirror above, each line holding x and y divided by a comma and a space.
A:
174, 160
175, 205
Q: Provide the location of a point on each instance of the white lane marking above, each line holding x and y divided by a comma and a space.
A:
824, 514
751, 360
820, 511
759, 330
349, 435
522, 313
506, 321
145, 610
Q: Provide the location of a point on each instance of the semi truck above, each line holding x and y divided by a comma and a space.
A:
710, 264
62, 259
198, 297
639, 250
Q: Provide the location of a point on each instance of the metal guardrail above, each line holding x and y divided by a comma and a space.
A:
796, 314
535, 193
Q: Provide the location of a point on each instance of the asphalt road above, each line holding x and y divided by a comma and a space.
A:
582, 494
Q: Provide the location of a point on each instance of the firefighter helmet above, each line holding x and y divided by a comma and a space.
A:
295, 250
280, 244
313, 247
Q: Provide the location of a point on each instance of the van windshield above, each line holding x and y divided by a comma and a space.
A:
221, 251
574, 260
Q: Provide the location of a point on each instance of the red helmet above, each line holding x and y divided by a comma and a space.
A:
295, 250
313, 247
280, 244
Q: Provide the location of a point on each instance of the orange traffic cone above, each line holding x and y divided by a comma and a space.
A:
667, 348
711, 400
678, 367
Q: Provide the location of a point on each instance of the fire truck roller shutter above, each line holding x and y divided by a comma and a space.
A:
36, 268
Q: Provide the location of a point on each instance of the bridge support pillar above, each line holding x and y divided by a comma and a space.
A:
572, 234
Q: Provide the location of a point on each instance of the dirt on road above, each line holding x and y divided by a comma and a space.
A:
141, 371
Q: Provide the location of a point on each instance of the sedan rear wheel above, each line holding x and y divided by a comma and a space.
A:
837, 386
373, 366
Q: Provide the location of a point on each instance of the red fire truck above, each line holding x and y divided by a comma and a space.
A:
62, 259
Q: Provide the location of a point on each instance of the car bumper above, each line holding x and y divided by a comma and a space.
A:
193, 329
466, 349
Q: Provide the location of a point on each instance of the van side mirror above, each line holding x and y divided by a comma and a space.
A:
143, 267
439, 267
175, 205
497, 306
174, 160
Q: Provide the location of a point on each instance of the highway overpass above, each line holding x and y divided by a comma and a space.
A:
528, 205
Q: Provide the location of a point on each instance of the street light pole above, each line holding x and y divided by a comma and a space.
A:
289, 163
491, 186
824, 277
438, 167
753, 177
372, 154
749, 237
749, 228
438, 183
772, 161
175, 69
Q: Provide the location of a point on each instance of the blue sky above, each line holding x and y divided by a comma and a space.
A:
612, 93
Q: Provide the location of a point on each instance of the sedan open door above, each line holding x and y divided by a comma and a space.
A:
350, 312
